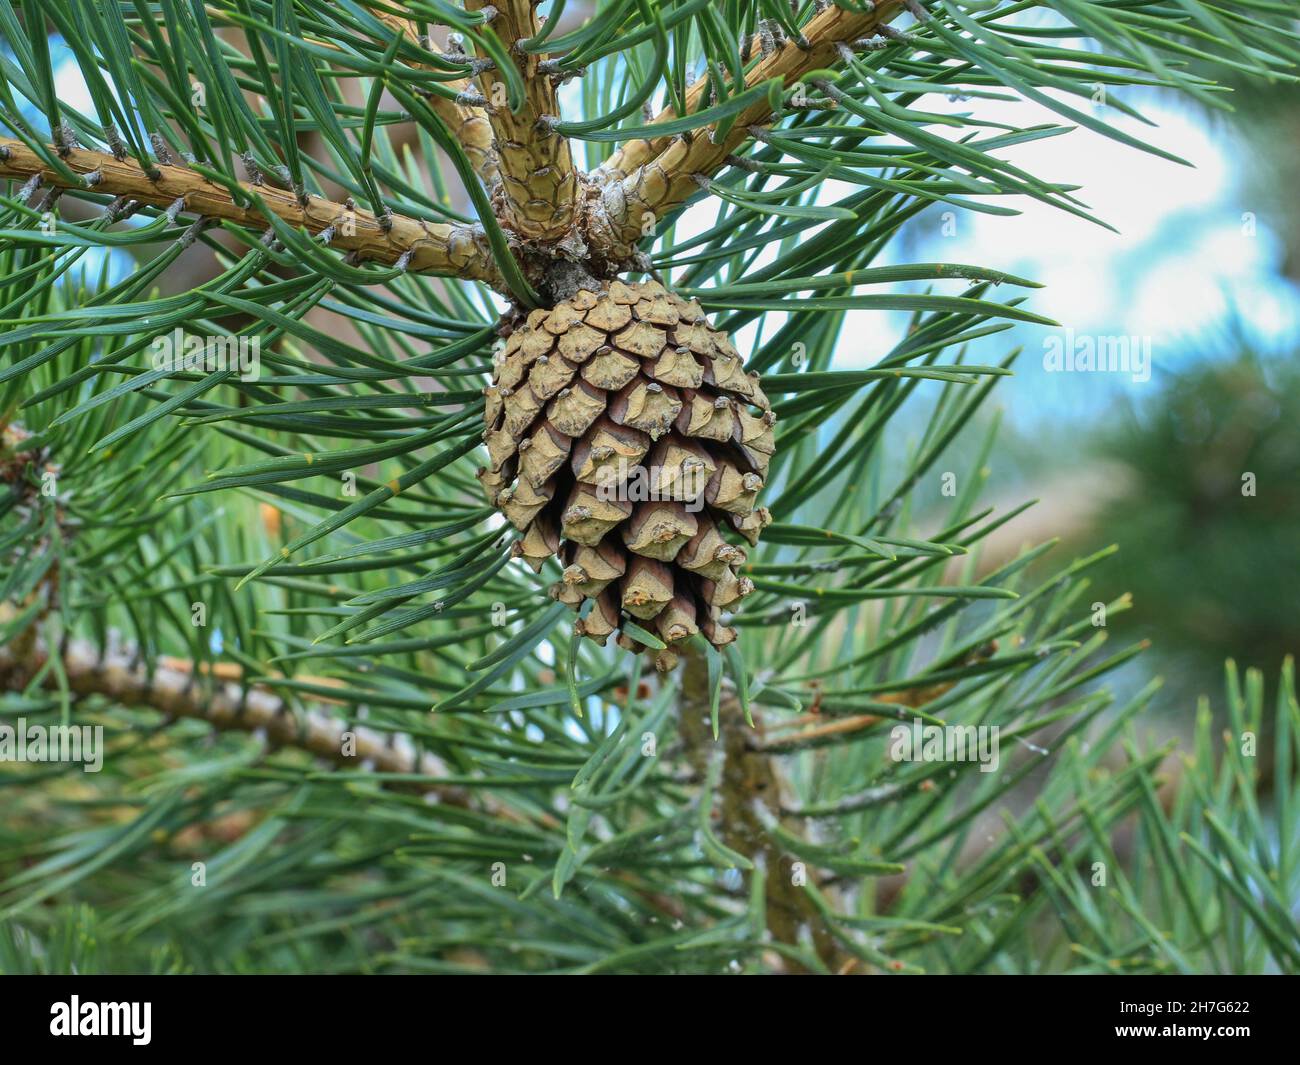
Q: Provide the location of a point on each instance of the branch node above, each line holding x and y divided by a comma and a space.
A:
121, 207
160, 149
194, 232
51, 199
898, 35
255, 175
114, 142
830, 90
67, 140
30, 188
871, 44
771, 36
565, 76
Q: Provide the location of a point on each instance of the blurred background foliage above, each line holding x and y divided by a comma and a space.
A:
1209, 519
1158, 467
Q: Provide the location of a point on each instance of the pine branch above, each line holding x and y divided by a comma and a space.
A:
424, 247
227, 705
539, 184
749, 777
647, 179
823, 32
468, 122
470, 126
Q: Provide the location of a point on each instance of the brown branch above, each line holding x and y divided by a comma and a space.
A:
424, 247
750, 776
539, 184
468, 122
227, 705
649, 178
470, 126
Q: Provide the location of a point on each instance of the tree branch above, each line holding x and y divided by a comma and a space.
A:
750, 776
468, 123
470, 126
539, 184
649, 178
228, 705
425, 247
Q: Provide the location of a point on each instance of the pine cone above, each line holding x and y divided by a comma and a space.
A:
626, 437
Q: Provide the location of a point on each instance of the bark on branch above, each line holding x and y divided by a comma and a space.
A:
750, 776
539, 184
649, 178
468, 122
425, 247
226, 705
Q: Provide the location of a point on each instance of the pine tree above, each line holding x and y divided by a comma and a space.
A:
288, 287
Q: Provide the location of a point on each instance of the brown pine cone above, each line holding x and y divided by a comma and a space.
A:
626, 438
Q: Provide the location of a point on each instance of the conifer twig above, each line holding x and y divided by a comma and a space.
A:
425, 247
228, 705
749, 776
539, 184
470, 126
648, 178
468, 122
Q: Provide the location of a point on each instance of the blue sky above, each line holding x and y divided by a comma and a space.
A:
1192, 257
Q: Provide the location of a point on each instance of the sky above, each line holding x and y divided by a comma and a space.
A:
1190, 258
